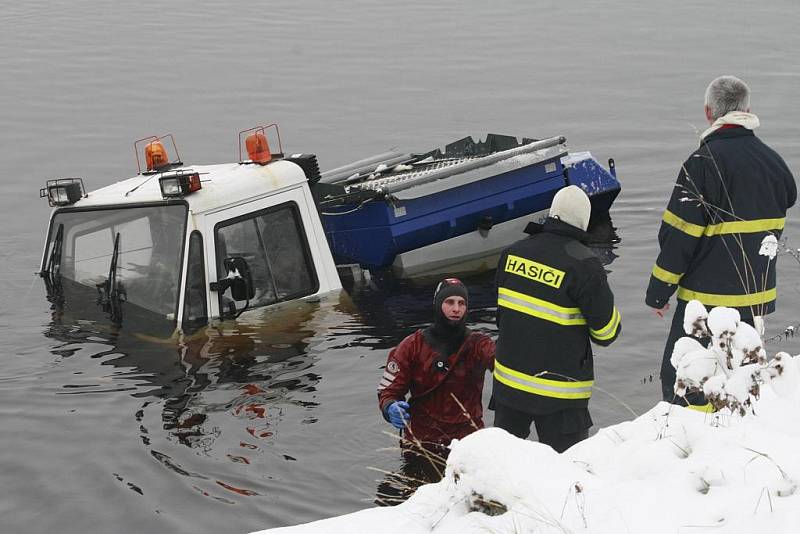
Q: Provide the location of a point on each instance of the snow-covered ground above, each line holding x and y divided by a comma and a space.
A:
671, 470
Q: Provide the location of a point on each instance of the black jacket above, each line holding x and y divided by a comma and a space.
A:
553, 297
730, 194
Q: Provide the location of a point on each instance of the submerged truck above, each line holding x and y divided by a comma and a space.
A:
187, 243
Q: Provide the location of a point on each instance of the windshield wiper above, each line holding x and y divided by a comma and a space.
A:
52, 270
111, 294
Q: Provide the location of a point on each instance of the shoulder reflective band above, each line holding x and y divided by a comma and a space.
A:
736, 301
608, 331
706, 408
535, 271
559, 389
666, 276
745, 227
694, 230
539, 308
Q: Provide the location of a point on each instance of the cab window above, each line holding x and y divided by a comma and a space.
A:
149, 255
194, 306
274, 244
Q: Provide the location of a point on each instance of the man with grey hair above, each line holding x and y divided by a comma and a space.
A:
731, 194
724, 95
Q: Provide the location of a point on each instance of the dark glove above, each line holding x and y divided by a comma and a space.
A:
397, 413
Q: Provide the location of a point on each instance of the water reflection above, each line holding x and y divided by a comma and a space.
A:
222, 392
259, 366
603, 239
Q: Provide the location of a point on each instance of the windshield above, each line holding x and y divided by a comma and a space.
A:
150, 247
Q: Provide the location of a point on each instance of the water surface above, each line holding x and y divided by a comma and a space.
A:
272, 421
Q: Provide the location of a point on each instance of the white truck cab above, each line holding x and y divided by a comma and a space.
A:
190, 243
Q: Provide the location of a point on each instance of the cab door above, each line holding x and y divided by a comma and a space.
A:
272, 235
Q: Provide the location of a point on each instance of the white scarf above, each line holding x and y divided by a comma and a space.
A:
740, 118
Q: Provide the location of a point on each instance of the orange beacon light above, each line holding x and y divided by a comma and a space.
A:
258, 147
155, 155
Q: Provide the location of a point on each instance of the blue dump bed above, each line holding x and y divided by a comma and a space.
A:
373, 215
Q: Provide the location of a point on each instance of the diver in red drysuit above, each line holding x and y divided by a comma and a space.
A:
442, 367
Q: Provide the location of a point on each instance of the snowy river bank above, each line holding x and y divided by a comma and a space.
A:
672, 469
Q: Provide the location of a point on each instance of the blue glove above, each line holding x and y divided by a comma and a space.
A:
397, 413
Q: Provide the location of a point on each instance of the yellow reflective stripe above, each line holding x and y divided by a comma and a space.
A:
705, 408
745, 227
608, 331
542, 309
543, 386
711, 299
569, 384
541, 314
694, 230
666, 276
732, 227
539, 391
540, 302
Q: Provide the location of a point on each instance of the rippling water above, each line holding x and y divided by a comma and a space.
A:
273, 421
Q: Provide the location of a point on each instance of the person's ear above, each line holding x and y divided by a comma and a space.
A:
709, 116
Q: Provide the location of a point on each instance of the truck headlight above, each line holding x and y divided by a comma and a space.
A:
62, 192
179, 183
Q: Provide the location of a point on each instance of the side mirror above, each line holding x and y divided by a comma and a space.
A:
241, 280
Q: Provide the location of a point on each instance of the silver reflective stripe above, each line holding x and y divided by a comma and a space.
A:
540, 309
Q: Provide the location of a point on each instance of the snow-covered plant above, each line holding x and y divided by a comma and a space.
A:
732, 366
769, 246
694, 320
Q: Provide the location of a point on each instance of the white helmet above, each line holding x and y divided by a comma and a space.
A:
572, 206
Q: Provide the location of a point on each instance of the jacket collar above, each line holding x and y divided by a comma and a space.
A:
727, 133
738, 118
555, 226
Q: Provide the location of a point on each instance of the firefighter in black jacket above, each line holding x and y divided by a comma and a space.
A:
731, 194
552, 299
